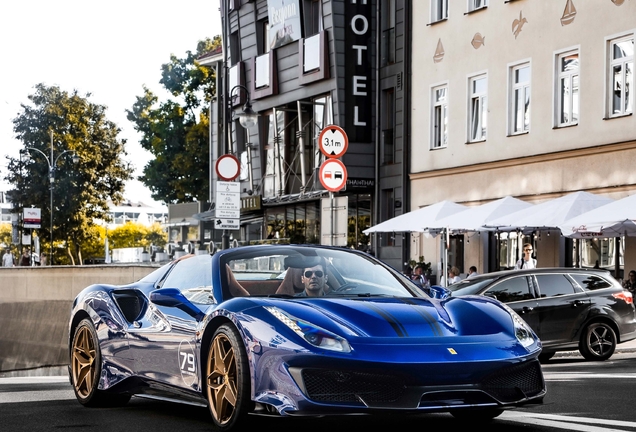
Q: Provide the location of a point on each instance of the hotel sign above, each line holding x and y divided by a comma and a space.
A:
358, 67
284, 22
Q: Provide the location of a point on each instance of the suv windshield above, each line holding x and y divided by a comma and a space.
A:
469, 286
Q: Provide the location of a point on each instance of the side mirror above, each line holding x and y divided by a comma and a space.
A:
439, 292
172, 297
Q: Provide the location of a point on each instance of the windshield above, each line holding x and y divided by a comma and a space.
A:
303, 271
469, 287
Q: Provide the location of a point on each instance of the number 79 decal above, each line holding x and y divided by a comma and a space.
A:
187, 363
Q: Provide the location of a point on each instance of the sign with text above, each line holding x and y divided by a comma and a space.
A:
228, 205
333, 141
284, 22
31, 218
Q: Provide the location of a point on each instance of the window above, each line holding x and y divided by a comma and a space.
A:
388, 32
439, 10
388, 212
388, 124
621, 73
312, 17
567, 89
552, 285
440, 117
590, 282
478, 110
474, 5
262, 27
520, 99
510, 290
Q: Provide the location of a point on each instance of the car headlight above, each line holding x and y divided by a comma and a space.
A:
523, 332
313, 334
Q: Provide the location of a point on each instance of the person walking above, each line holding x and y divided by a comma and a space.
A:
630, 283
526, 262
7, 259
25, 261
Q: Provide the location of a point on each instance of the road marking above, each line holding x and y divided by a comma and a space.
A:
34, 380
566, 376
36, 396
566, 422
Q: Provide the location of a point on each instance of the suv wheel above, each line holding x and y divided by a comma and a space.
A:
598, 341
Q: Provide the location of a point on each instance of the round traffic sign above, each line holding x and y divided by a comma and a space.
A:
333, 175
333, 141
227, 167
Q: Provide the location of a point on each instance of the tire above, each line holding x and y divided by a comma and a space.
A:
86, 366
598, 342
477, 415
545, 356
227, 379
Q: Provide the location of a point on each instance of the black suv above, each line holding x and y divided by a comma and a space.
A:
568, 308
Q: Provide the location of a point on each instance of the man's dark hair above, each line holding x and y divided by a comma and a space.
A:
473, 269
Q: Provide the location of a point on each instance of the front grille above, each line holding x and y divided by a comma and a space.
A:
515, 382
348, 386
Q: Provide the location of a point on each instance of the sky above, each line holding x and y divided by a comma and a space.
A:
109, 49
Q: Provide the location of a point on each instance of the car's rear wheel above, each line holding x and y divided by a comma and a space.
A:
598, 342
478, 415
227, 379
86, 366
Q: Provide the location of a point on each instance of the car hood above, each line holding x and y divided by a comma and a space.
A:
382, 317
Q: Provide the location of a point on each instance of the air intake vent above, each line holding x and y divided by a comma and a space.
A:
398, 80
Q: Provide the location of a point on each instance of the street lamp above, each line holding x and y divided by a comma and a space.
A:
248, 117
52, 163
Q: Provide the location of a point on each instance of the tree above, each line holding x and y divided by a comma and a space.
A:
176, 131
81, 191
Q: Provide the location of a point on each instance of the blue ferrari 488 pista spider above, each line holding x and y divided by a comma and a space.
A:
298, 330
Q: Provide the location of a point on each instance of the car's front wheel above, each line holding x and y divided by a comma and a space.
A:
227, 379
86, 366
598, 342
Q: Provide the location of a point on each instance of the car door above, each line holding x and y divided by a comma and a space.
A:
163, 341
560, 308
518, 293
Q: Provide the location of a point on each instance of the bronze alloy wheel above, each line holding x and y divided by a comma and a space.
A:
84, 361
227, 381
86, 369
598, 341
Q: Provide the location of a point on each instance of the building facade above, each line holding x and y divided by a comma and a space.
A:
303, 65
520, 98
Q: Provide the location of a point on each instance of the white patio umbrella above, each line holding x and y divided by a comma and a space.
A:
417, 220
615, 219
474, 218
549, 214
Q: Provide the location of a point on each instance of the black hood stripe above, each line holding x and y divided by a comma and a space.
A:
397, 326
428, 317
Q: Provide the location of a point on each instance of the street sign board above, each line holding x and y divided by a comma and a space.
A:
231, 224
228, 205
333, 141
31, 218
228, 167
333, 175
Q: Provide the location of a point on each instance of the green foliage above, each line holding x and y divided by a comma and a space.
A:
81, 191
5, 237
133, 234
176, 131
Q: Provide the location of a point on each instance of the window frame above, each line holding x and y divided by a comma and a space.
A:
483, 107
611, 41
472, 8
436, 7
559, 76
512, 89
435, 137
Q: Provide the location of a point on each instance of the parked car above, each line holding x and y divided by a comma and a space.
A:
568, 308
236, 332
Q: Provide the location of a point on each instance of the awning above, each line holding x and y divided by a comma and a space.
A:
615, 219
417, 220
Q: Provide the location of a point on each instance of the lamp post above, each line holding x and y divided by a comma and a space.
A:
52, 163
248, 119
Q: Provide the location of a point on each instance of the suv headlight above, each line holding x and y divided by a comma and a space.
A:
313, 334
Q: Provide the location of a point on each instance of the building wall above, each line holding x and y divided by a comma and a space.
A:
546, 162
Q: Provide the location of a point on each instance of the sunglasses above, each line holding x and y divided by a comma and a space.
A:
310, 273
527, 250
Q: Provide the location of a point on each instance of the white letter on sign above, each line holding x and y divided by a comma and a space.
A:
357, 122
359, 82
364, 21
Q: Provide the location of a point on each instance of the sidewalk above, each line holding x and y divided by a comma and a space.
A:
625, 347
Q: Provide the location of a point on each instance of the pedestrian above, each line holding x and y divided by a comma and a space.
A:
419, 276
7, 259
42, 259
25, 261
453, 275
630, 282
407, 271
472, 272
526, 262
